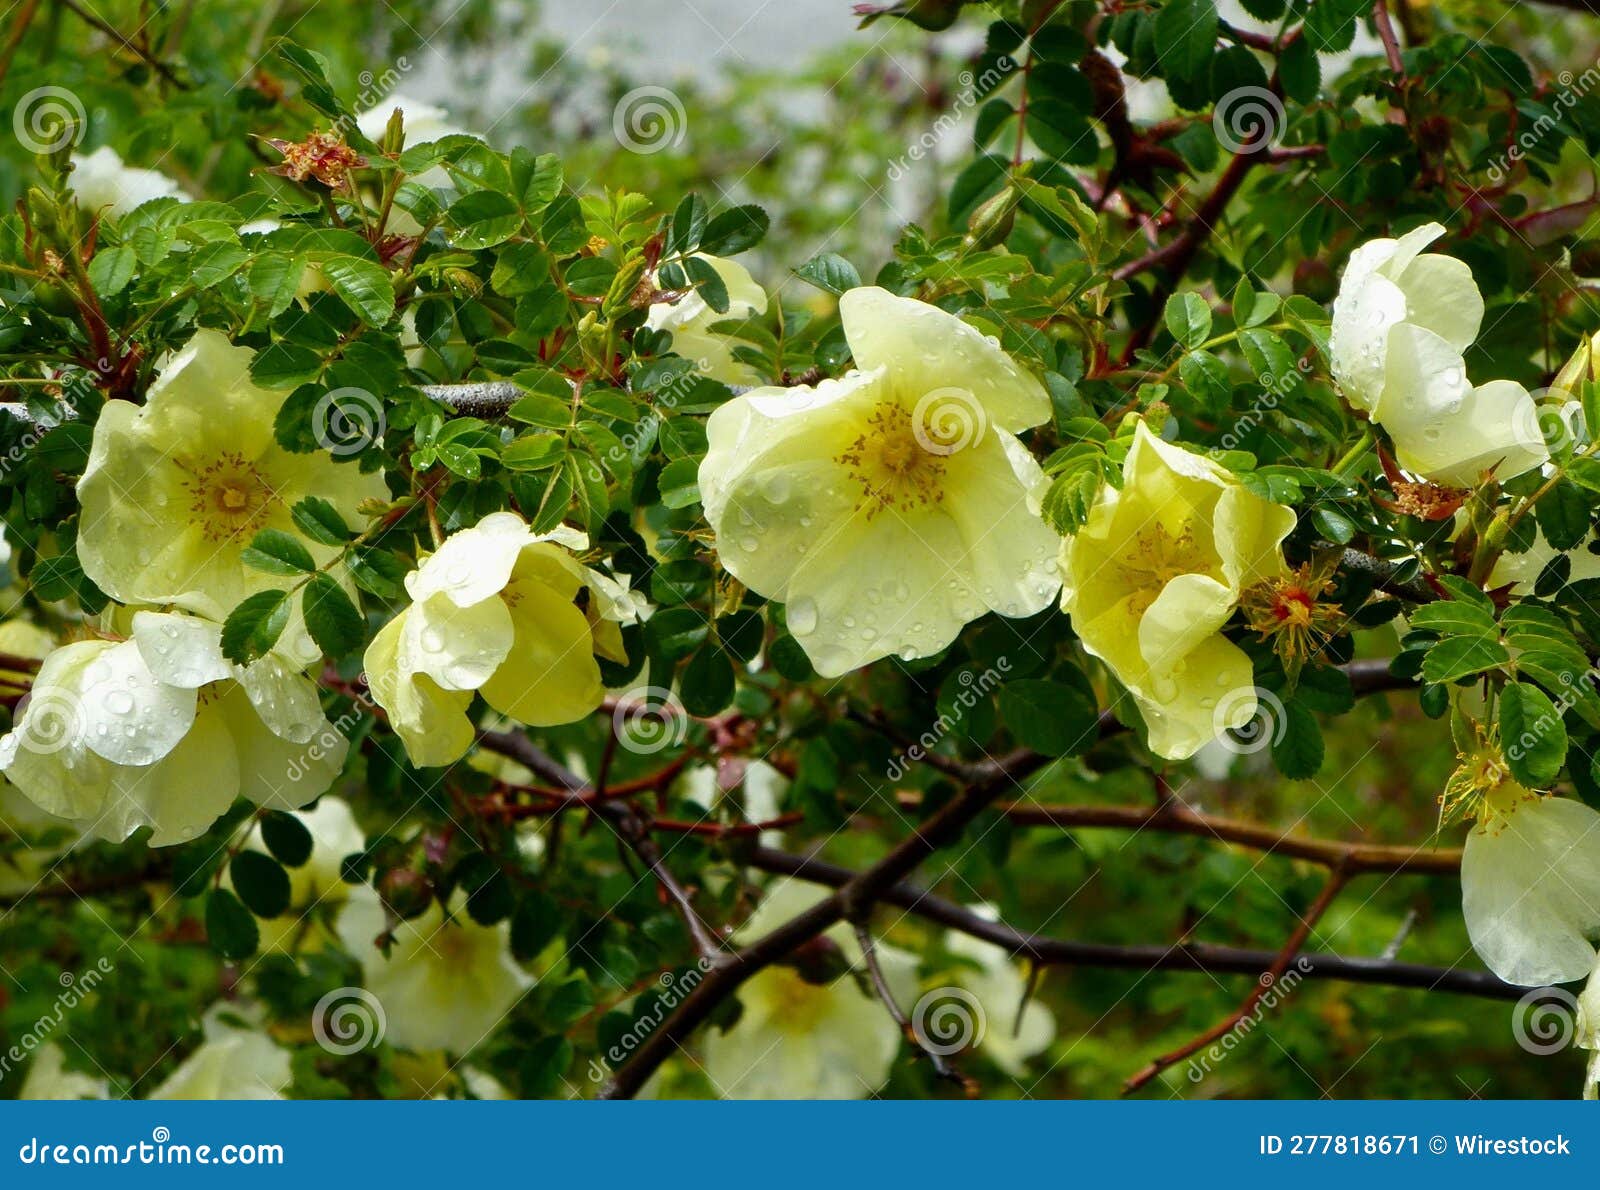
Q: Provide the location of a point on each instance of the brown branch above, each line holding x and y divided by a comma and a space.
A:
630, 828
138, 51
851, 900
1172, 817
1187, 956
869, 952
1297, 939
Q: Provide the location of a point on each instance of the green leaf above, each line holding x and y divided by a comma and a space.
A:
332, 620
734, 231
1563, 514
1188, 318
1206, 377
680, 483
261, 883
1185, 35
1459, 656
1532, 735
277, 552
1454, 617
688, 225
231, 929
319, 520
535, 924
274, 280
1049, 717
378, 572
830, 272
253, 627
287, 837
363, 286
1297, 747
112, 269
707, 684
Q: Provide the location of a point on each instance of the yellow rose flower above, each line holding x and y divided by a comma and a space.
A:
175, 489
237, 1060
1401, 321
1154, 574
504, 612
161, 731
335, 834
800, 1039
445, 984
690, 319
891, 507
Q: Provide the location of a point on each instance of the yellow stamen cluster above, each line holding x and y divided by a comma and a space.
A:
891, 463
1482, 787
229, 497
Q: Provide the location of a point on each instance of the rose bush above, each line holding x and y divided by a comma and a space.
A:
457, 602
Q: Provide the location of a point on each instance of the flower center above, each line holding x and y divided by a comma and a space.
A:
229, 497
1156, 556
898, 460
1482, 787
